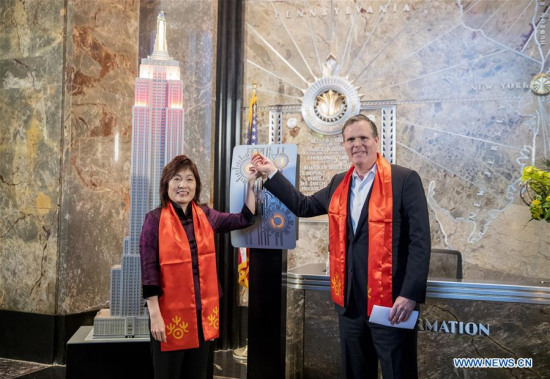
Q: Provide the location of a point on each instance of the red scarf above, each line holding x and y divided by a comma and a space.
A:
177, 304
379, 281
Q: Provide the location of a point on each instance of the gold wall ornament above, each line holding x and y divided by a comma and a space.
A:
330, 104
540, 84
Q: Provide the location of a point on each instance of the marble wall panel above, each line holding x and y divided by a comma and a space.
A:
101, 65
465, 117
294, 365
321, 336
31, 59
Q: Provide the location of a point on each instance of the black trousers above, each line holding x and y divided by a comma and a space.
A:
189, 363
364, 344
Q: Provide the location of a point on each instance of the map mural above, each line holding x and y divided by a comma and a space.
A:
449, 85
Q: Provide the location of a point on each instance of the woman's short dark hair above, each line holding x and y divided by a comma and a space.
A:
178, 163
361, 117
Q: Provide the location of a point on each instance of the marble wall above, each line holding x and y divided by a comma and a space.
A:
67, 71
99, 73
458, 74
31, 144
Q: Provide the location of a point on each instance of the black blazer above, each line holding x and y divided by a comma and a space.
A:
411, 233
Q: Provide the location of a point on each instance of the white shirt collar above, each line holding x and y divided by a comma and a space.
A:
355, 175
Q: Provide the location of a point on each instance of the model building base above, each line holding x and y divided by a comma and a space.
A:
107, 358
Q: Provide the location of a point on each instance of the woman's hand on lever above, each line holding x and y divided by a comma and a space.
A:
253, 174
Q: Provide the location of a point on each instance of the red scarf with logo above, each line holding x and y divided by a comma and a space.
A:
177, 304
379, 281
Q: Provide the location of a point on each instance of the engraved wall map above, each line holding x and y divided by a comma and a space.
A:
448, 85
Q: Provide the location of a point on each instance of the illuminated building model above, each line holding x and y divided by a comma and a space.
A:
157, 137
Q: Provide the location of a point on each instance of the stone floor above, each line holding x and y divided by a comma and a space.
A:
225, 367
30, 370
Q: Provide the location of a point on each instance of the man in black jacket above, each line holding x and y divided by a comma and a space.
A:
379, 239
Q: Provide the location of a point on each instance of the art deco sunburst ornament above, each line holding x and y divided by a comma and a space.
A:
330, 100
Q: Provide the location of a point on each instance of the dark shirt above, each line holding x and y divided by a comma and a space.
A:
148, 246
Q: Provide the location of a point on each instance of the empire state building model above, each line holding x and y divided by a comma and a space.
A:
157, 137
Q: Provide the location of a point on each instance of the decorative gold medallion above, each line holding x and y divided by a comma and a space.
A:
330, 105
540, 84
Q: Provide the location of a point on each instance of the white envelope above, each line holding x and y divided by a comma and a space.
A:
380, 315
